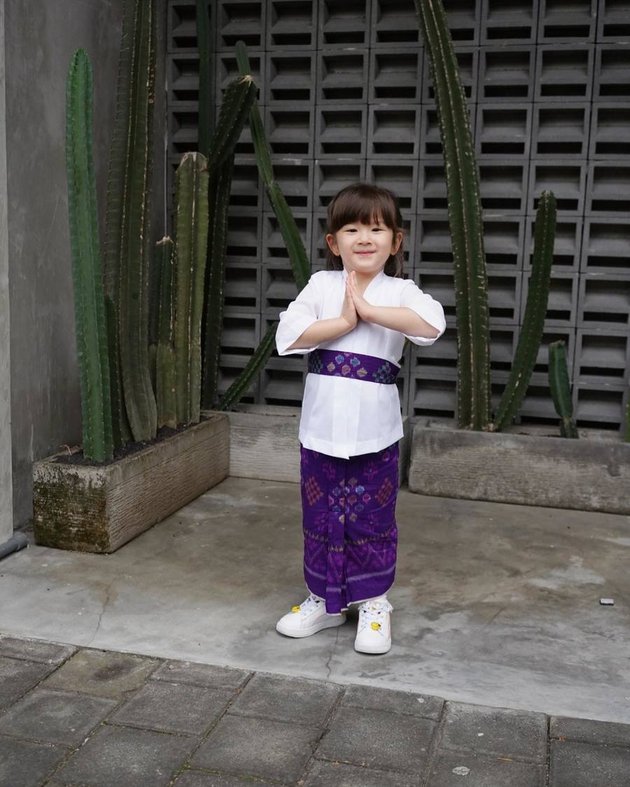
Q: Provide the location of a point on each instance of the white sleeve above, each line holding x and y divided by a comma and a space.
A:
424, 306
299, 316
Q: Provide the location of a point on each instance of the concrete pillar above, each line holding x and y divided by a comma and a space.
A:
6, 491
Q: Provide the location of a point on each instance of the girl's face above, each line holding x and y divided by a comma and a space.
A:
364, 248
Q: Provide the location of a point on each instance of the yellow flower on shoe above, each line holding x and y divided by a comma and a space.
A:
374, 629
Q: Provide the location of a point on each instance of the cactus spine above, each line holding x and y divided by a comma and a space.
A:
165, 378
535, 310
561, 388
191, 239
126, 248
89, 301
465, 219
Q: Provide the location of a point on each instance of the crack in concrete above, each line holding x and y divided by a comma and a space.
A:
102, 612
494, 617
328, 666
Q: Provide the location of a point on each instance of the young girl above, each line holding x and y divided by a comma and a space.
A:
352, 320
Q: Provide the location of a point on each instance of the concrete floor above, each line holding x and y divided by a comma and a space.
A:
494, 604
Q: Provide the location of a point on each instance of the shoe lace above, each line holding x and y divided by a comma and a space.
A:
306, 607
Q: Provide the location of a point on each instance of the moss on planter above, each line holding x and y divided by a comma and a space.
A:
68, 512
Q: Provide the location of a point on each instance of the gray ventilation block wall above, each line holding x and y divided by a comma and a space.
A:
346, 94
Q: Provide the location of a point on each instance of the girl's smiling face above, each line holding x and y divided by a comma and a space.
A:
364, 248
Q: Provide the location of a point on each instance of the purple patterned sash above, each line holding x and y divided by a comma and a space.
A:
353, 365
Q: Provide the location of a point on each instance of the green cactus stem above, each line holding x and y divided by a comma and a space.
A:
561, 388
127, 215
206, 81
235, 108
465, 220
165, 377
290, 233
535, 311
258, 359
220, 186
120, 425
89, 298
191, 247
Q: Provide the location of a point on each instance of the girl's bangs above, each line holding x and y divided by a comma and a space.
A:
366, 208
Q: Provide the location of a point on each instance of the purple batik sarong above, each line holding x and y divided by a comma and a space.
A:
349, 521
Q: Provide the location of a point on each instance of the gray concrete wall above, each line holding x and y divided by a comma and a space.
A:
6, 492
41, 36
40, 39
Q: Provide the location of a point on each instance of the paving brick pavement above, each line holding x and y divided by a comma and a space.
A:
76, 716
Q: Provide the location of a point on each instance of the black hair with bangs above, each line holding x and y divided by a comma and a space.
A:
365, 203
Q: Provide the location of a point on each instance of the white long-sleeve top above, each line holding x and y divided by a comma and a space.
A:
345, 417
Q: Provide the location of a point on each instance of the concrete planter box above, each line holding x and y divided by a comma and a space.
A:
264, 443
100, 508
586, 474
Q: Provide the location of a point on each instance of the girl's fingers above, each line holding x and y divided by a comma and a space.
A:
351, 285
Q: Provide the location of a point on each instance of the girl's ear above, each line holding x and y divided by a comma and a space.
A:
332, 244
396, 242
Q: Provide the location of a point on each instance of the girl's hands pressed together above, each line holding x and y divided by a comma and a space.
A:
397, 318
348, 310
361, 306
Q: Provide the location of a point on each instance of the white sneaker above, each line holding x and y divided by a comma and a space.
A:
374, 632
308, 618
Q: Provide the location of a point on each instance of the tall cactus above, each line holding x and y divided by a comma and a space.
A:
290, 233
235, 107
165, 377
191, 245
206, 91
561, 388
127, 219
535, 310
465, 219
120, 423
89, 302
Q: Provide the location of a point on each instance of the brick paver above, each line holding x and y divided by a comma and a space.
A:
73, 716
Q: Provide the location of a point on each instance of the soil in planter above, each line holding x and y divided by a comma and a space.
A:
76, 457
